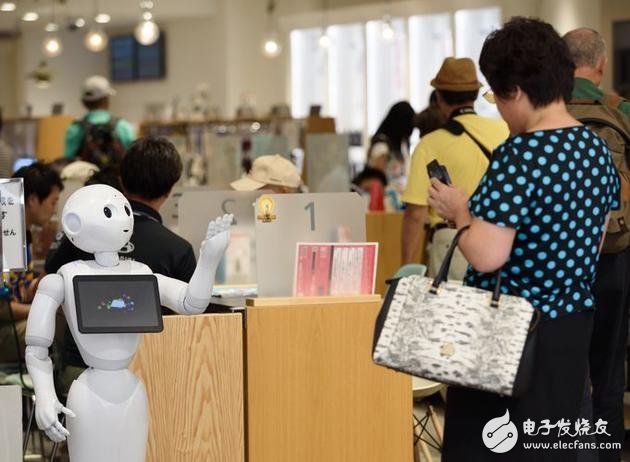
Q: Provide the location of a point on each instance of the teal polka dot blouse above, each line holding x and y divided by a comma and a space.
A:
555, 188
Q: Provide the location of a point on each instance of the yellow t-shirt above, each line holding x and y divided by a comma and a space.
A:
465, 162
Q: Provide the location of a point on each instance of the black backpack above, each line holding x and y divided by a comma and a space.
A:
100, 144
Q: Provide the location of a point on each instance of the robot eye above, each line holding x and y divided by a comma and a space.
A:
107, 212
127, 211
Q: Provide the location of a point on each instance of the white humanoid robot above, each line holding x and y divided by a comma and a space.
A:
107, 405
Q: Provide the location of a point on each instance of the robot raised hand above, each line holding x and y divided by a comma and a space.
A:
107, 405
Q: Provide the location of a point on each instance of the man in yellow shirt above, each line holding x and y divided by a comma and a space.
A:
463, 146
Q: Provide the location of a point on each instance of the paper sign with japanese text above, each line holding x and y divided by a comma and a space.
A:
14, 244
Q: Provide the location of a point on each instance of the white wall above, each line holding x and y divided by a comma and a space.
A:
566, 15
69, 69
8, 62
195, 53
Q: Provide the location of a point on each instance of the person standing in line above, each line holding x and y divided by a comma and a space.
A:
612, 283
536, 219
98, 138
463, 146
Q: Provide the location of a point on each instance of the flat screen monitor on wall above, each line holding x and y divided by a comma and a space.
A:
130, 61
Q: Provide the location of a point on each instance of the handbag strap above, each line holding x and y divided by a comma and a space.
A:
442, 275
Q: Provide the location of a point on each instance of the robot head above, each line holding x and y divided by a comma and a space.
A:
98, 218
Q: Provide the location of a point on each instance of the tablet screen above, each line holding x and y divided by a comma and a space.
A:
117, 304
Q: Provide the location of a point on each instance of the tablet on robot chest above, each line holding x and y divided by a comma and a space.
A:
117, 304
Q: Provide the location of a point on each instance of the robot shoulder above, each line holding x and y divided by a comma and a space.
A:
74, 267
139, 268
52, 285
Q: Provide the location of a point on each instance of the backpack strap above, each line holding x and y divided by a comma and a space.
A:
457, 128
613, 101
584, 101
607, 123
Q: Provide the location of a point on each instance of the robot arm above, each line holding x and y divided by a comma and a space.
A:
40, 330
194, 297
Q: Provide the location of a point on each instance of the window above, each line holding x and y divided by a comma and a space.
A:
471, 29
368, 67
308, 71
430, 41
346, 76
386, 69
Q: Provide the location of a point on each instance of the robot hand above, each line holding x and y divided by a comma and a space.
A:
217, 239
47, 416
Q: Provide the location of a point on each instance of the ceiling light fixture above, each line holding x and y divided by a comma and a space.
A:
7, 7
147, 31
96, 40
41, 75
271, 46
52, 46
387, 31
324, 39
102, 18
30, 16
79, 23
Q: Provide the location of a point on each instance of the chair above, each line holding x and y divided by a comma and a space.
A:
423, 388
412, 269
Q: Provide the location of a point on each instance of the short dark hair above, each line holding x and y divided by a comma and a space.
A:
150, 168
370, 173
39, 179
109, 175
528, 53
453, 98
93, 105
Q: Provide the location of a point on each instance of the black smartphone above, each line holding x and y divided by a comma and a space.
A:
435, 170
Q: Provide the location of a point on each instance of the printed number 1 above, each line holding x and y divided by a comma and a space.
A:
311, 206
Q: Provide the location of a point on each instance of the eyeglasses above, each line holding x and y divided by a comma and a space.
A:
488, 95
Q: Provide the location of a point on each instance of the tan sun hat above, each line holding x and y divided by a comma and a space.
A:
273, 170
457, 74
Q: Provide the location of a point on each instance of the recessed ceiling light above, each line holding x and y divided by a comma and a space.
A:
30, 16
7, 6
102, 18
79, 22
51, 27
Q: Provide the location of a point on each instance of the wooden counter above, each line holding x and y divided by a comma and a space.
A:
193, 373
313, 393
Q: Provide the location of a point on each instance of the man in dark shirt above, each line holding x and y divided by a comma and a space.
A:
148, 172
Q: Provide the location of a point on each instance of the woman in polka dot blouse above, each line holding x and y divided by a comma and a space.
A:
538, 217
